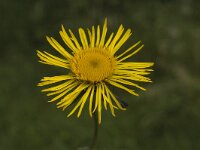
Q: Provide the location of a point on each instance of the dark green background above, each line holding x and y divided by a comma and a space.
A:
166, 117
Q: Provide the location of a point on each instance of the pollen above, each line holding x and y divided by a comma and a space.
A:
93, 64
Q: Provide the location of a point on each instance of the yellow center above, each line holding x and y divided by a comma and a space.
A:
93, 64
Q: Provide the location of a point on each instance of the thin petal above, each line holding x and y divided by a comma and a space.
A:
78, 89
83, 38
116, 38
109, 100
74, 109
63, 89
133, 77
133, 53
49, 59
122, 41
129, 49
98, 36
127, 83
109, 40
58, 87
99, 104
74, 39
125, 71
58, 47
67, 39
93, 37
67, 89
135, 68
54, 79
104, 96
67, 100
56, 58
90, 36
84, 98
91, 101
135, 65
101, 44
71, 98
122, 87
96, 98
114, 98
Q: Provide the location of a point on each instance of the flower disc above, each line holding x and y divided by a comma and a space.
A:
93, 64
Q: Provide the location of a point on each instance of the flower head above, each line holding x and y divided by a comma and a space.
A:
93, 65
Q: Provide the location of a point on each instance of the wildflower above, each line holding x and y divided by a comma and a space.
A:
93, 65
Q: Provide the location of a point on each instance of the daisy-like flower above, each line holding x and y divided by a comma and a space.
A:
93, 65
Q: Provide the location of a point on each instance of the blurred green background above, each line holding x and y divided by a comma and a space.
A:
166, 117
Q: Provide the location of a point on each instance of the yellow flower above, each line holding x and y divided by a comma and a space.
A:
93, 65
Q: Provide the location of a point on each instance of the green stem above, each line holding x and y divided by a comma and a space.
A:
96, 125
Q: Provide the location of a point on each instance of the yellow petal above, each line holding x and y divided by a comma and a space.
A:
54, 79
116, 38
99, 104
74, 109
122, 87
75, 40
122, 41
90, 37
71, 98
64, 92
78, 104
104, 96
129, 49
127, 83
96, 98
58, 47
84, 98
98, 36
67, 39
78, 89
101, 44
109, 40
63, 89
109, 100
91, 101
47, 59
58, 87
114, 98
93, 37
133, 53
83, 38
133, 77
